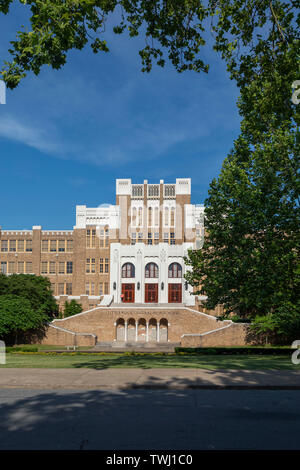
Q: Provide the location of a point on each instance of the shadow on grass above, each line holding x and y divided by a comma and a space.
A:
201, 362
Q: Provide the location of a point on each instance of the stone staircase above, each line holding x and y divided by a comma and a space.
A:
122, 346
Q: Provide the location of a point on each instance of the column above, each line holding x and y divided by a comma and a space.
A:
157, 336
136, 331
147, 331
125, 336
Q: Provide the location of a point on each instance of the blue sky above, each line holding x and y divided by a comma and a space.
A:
65, 136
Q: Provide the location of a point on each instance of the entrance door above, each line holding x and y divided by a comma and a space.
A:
128, 292
151, 293
175, 293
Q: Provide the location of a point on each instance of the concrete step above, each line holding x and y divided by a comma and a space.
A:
118, 346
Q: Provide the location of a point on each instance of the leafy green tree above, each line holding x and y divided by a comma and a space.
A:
173, 28
17, 316
35, 289
72, 308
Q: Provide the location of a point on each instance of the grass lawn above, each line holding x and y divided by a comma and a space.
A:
94, 361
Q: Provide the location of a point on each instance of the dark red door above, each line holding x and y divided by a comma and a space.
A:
175, 293
151, 293
128, 292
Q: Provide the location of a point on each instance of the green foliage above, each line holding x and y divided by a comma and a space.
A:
71, 308
35, 289
26, 304
284, 323
17, 315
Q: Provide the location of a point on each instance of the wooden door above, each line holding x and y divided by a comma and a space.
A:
175, 293
128, 293
151, 293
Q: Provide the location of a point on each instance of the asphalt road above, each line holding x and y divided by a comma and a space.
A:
149, 419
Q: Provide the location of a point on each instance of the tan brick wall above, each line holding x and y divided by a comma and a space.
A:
234, 335
56, 336
101, 321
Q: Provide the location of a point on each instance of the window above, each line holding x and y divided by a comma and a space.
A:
140, 216
69, 245
128, 270
150, 238
89, 288
68, 288
175, 270
140, 237
101, 288
53, 246
106, 290
4, 245
88, 238
61, 245
133, 217
52, 269
45, 246
169, 238
28, 267
153, 190
151, 270
21, 246
28, 245
172, 224
11, 267
137, 190
166, 217
133, 238
169, 190
3, 267
61, 289
20, 267
69, 267
90, 265
107, 238
156, 216
156, 238
101, 265
106, 265
44, 269
149, 216
61, 268
53, 288
13, 245
91, 238
93, 245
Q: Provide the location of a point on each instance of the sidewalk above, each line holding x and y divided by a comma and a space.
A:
118, 379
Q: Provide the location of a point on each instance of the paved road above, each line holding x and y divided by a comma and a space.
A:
149, 419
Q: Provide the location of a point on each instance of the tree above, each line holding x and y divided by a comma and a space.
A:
18, 316
72, 308
36, 289
172, 28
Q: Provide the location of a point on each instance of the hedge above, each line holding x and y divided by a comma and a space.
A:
267, 351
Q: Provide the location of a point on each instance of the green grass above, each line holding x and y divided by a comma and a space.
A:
98, 361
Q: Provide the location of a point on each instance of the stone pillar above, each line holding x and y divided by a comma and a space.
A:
125, 332
147, 331
136, 331
157, 331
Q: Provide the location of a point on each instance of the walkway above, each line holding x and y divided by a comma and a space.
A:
122, 379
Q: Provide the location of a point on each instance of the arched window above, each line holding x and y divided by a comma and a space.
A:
151, 270
128, 270
175, 270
